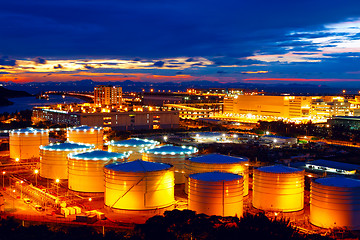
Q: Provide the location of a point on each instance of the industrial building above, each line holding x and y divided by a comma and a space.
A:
107, 95
86, 134
25, 143
134, 146
86, 173
332, 167
216, 193
349, 122
221, 163
279, 140
139, 185
278, 188
335, 203
173, 155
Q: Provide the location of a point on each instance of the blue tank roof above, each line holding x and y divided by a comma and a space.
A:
84, 128
28, 130
134, 142
279, 169
339, 181
138, 166
215, 176
169, 149
99, 155
67, 146
217, 159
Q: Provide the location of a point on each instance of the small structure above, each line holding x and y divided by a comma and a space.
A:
54, 158
173, 155
279, 140
278, 188
216, 193
139, 185
221, 163
25, 143
86, 134
332, 167
86, 173
208, 137
134, 146
335, 202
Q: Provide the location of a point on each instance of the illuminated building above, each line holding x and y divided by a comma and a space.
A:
86, 134
139, 185
134, 146
351, 122
86, 173
221, 163
208, 137
216, 193
54, 158
25, 143
279, 140
278, 188
332, 167
335, 203
173, 155
107, 95
196, 110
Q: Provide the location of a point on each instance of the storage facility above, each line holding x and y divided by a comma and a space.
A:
135, 146
278, 188
139, 185
335, 202
221, 163
54, 158
86, 170
86, 134
173, 155
25, 143
216, 193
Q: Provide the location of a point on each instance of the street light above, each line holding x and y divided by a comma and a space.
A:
36, 171
3, 179
57, 187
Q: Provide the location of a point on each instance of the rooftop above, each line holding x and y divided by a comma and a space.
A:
99, 155
169, 149
138, 166
84, 128
67, 146
279, 169
28, 130
335, 165
218, 159
274, 136
134, 142
339, 182
215, 176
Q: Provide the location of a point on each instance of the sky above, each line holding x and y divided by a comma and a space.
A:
251, 41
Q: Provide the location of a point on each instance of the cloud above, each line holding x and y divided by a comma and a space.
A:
5, 61
88, 67
39, 60
59, 66
159, 64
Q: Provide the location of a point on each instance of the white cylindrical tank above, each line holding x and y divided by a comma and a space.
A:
172, 155
86, 134
221, 163
133, 145
86, 173
335, 202
25, 143
216, 193
278, 188
54, 158
139, 185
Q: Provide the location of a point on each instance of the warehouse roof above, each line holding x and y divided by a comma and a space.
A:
279, 169
335, 165
218, 159
138, 166
215, 176
99, 155
338, 181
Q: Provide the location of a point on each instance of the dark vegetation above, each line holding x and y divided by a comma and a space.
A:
6, 93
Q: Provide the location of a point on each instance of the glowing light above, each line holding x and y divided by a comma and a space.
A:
36, 171
90, 199
57, 180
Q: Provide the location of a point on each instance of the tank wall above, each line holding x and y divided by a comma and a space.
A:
236, 168
135, 155
223, 198
334, 207
90, 137
26, 146
278, 191
86, 175
134, 191
177, 161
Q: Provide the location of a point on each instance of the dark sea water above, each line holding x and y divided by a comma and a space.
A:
24, 103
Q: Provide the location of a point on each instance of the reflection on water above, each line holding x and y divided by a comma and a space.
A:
24, 103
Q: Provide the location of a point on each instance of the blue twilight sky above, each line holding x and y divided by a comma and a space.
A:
253, 41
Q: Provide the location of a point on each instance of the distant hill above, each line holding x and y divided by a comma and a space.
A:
7, 93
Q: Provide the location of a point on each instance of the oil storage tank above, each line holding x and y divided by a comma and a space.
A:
173, 155
86, 134
86, 173
54, 158
139, 185
25, 143
216, 193
135, 146
335, 202
278, 188
221, 163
